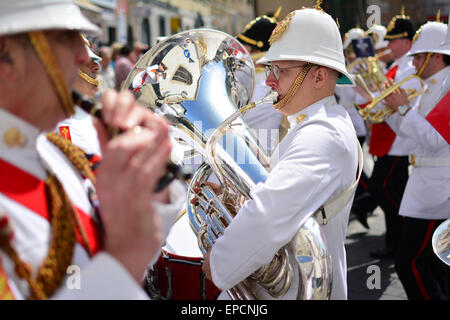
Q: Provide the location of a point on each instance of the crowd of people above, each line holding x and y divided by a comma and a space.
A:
74, 193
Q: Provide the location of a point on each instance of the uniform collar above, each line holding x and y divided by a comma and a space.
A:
402, 61
309, 111
439, 77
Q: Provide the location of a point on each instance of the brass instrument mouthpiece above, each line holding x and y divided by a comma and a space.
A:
174, 171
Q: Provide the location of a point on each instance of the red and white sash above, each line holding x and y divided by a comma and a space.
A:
30, 192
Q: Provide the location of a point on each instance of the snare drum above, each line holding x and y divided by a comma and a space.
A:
178, 274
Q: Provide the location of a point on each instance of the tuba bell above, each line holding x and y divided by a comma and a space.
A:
441, 242
369, 76
202, 81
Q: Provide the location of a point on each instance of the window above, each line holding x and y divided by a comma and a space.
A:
162, 26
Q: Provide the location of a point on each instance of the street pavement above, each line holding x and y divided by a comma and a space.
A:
369, 278
363, 270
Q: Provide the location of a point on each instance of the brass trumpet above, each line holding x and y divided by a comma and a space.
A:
369, 76
375, 113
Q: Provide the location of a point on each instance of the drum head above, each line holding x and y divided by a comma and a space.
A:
182, 240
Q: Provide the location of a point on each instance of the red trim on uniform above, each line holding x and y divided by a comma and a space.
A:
382, 136
381, 140
363, 184
439, 117
391, 72
92, 232
64, 131
23, 188
416, 272
142, 82
385, 183
30, 192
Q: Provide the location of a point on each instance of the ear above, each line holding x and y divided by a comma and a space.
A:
7, 63
320, 77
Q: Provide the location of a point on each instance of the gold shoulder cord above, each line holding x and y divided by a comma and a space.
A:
78, 158
63, 220
59, 257
45, 54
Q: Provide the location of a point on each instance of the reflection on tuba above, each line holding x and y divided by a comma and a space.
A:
441, 242
203, 89
369, 76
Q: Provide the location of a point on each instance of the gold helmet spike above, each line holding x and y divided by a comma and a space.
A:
277, 13
402, 11
317, 6
438, 16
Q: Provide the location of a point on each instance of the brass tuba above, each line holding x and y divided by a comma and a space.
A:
370, 77
202, 81
441, 242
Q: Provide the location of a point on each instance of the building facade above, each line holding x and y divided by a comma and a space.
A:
129, 21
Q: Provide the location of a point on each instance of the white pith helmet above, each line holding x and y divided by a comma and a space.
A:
429, 38
447, 38
352, 34
18, 16
309, 35
378, 32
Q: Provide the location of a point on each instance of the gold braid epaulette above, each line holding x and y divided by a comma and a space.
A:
59, 257
75, 155
78, 158
63, 219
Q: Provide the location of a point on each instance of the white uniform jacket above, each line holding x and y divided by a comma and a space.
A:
81, 131
427, 193
32, 231
347, 97
316, 161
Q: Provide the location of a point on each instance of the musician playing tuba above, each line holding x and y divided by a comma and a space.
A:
425, 204
316, 161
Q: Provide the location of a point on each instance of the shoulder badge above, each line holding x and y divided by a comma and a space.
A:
13, 137
65, 132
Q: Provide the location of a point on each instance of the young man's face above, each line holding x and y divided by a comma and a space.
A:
282, 77
398, 47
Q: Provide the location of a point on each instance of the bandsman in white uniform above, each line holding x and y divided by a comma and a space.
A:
264, 120
346, 94
54, 222
377, 32
79, 129
390, 151
426, 201
317, 160
346, 97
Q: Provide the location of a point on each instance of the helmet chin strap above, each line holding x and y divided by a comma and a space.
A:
298, 81
45, 54
88, 78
